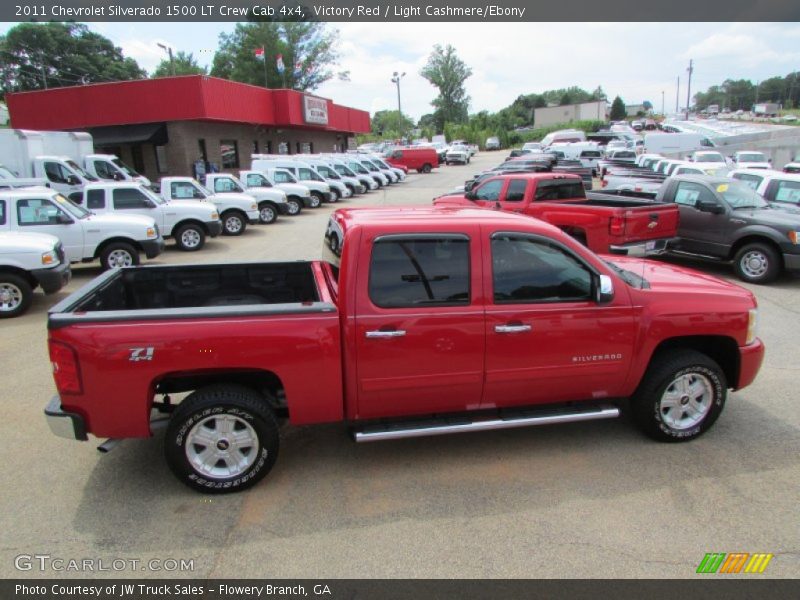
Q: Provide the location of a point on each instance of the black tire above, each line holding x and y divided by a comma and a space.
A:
196, 418
16, 295
234, 222
316, 199
190, 237
295, 206
652, 411
352, 189
335, 196
757, 263
447, 162
267, 213
119, 254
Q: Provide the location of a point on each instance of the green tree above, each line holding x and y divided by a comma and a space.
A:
311, 45
390, 123
181, 64
38, 55
618, 111
448, 73
566, 98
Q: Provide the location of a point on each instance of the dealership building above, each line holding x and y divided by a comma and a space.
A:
165, 126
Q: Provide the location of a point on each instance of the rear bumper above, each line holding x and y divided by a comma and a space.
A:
64, 424
214, 228
152, 248
52, 280
640, 249
750, 359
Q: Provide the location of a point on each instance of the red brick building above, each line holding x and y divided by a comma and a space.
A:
163, 126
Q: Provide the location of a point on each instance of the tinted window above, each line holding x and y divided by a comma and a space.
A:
129, 198
559, 189
104, 170
55, 172
516, 190
2, 212
229, 150
410, 272
528, 270
37, 212
490, 190
590, 154
95, 199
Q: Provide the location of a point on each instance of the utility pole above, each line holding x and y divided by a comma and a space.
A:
678, 97
168, 50
41, 63
396, 77
689, 89
662, 102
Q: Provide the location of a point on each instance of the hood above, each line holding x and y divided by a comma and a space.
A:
263, 193
294, 188
665, 277
116, 219
182, 207
26, 242
232, 197
792, 209
454, 200
777, 216
143, 180
753, 165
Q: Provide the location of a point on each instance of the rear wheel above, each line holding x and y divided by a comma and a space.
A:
119, 254
190, 237
316, 199
233, 223
680, 397
222, 438
757, 263
16, 295
267, 214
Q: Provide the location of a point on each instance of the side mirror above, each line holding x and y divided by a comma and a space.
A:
604, 289
119, 176
63, 219
73, 180
710, 206
471, 195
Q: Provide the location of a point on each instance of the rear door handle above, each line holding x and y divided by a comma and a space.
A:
385, 334
512, 328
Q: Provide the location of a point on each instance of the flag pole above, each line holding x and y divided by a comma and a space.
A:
264, 56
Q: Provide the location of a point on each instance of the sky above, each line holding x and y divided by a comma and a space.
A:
637, 61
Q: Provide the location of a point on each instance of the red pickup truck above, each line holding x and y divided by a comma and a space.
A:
424, 321
603, 222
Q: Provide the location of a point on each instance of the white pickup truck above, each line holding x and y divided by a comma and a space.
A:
297, 195
189, 222
115, 239
319, 190
271, 202
28, 261
235, 210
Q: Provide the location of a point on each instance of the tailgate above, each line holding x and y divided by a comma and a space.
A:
642, 223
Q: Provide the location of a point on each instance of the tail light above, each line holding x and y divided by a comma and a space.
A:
617, 225
66, 369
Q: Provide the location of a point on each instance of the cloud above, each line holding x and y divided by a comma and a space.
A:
146, 52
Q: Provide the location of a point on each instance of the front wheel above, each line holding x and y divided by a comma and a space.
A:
16, 295
267, 214
223, 438
294, 206
190, 237
233, 223
118, 255
335, 195
757, 263
316, 200
680, 397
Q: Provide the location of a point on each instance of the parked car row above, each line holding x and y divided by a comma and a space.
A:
115, 222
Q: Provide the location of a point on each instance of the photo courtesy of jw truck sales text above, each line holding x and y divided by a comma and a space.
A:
399, 299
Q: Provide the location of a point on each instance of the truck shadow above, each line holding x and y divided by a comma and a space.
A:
324, 482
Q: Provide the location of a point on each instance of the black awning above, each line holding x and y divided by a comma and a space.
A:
143, 133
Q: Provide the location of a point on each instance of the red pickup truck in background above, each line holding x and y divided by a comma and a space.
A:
604, 222
425, 321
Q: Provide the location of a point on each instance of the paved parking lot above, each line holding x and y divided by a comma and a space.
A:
590, 499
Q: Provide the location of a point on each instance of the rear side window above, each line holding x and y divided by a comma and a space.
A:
410, 272
95, 199
490, 190
559, 190
516, 190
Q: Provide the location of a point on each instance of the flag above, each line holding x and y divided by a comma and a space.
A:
260, 53
279, 62
298, 68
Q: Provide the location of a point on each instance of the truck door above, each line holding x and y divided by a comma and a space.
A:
547, 339
60, 177
701, 230
42, 215
134, 202
419, 325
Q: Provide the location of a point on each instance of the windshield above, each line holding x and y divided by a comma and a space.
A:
152, 195
6, 174
288, 176
751, 157
712, 157
73, 165
124, 168
342, 170
739, 195
203, 191
72, 208
327, 172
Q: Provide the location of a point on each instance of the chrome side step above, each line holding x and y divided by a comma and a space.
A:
398, 431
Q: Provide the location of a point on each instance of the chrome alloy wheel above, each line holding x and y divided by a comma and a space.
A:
222, 446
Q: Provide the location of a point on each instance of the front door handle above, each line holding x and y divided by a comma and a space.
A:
379, 334
515, 328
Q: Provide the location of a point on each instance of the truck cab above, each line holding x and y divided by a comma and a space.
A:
271, 202
305, 174
108, 167
63, 174
235, 210
297, 195
343, 169
116, 240
189, 222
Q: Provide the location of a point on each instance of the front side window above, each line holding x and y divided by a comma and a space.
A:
37, 212
516, 190
229, 150
56, 172
127, 198
95, 199
257, 180
225, 184
688, 193
490, 191
184, 190
409, 272
104, 170
527, 270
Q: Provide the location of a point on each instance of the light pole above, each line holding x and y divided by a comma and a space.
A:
168, 50
662, 103
396, 77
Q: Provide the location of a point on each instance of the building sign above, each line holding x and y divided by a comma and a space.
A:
315, 110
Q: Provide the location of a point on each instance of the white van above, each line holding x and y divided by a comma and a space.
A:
564, 135
304, 174
675, 143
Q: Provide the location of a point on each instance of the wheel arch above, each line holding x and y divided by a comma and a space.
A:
189, 221
113, 240
756, 238
723, 350
20, 273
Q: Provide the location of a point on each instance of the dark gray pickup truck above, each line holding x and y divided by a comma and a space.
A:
725, 220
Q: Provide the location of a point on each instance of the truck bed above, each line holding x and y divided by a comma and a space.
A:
195, 290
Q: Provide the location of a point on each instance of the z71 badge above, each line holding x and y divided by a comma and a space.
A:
138, 354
